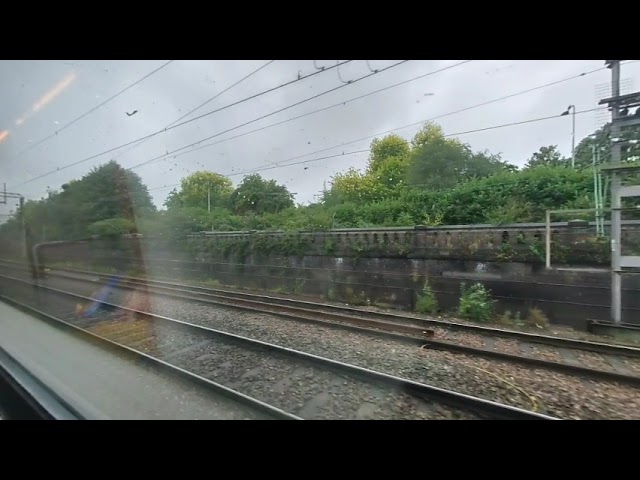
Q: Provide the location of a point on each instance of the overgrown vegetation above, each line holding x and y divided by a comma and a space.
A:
476, 302
537, 318
427, 301
432, 180
507, 319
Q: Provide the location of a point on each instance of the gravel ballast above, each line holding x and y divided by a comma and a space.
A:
293, 385
552, 393
519, 347
529, 388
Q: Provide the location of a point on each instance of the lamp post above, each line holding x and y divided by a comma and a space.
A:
572, 109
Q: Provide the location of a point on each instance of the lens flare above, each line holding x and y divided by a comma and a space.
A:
54, 92
48, 97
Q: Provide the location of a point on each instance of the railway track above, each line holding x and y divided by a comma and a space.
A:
593, 360
304, 385
234, 405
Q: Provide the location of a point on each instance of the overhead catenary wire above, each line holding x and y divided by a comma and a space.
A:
168, 154
363, 138
466, 132
340, 76
465, 109
280, 165
90, 111
249, 75
193, 110
323, 109
64, 167
268, 168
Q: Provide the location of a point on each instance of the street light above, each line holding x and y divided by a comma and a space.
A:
572, 108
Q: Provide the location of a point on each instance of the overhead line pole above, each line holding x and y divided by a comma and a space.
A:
620, 119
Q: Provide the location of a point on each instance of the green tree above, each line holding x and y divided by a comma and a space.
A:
383, 178
257, 195
106, 192
437, 163
110, 191
353, 186
388, 163
390, 147
429, 133
197, 188
548, 156
390, 176
111, 227
484, 164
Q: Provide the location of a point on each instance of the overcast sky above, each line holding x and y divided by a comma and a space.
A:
40, 97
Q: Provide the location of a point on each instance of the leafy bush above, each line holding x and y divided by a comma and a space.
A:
476, 303
535, 190
111, 227
427, 302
